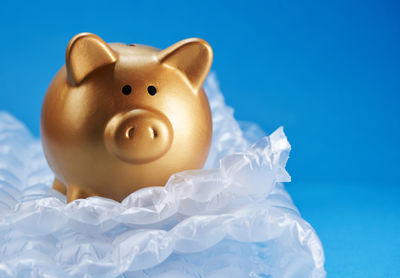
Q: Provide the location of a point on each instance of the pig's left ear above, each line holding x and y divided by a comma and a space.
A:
193, 57
87, 52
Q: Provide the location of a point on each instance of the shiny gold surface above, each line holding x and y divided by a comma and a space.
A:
117, 117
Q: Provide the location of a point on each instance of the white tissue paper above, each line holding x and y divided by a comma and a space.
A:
231, 219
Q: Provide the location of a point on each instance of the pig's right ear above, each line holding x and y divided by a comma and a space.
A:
85, 53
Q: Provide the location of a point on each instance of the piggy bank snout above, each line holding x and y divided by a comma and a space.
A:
138, 136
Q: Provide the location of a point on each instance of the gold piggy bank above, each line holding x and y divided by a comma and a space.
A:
117, 117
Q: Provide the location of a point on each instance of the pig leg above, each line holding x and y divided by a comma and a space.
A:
75, 192
59, 186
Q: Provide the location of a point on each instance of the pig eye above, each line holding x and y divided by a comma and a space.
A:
126, 90
152, 90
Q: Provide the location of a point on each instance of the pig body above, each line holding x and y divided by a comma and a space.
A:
117, 117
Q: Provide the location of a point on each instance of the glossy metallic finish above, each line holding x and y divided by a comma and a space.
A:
117, 117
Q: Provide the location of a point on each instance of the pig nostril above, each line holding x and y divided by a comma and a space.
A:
154, 133
129, 132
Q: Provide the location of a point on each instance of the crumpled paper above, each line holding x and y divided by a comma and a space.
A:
231, 219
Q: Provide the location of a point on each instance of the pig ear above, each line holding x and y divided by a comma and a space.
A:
85, 53
193, 57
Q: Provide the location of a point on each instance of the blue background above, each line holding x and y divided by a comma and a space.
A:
328, 72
